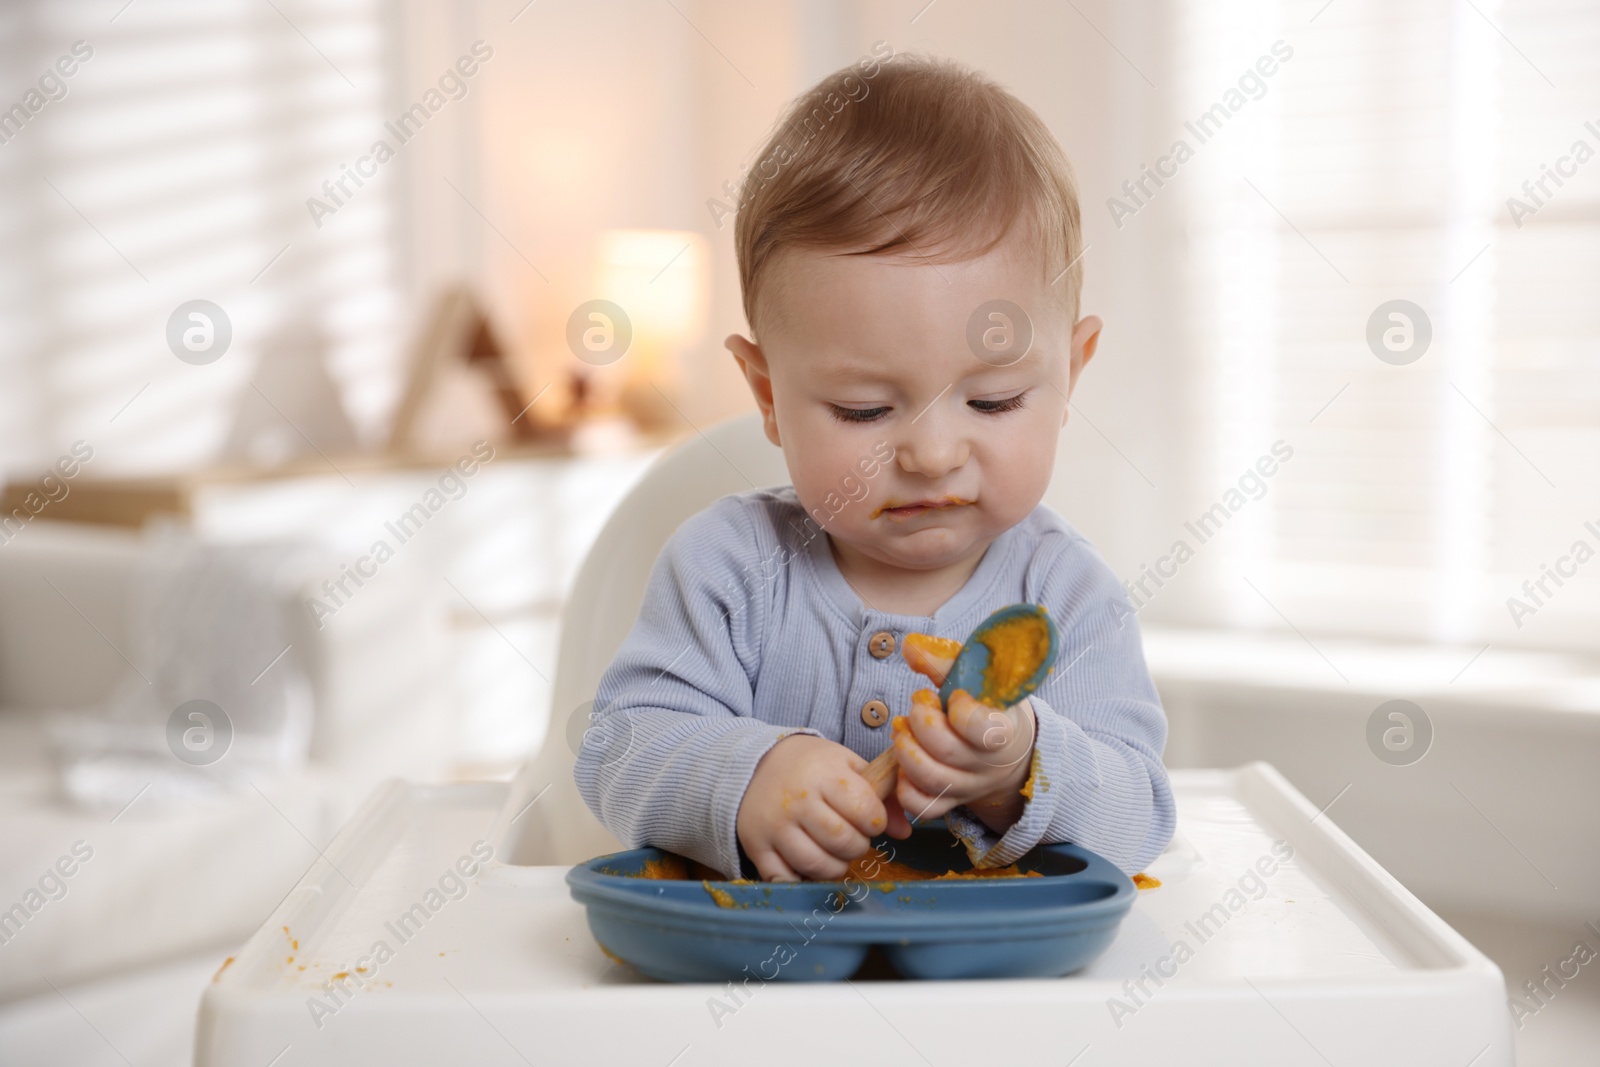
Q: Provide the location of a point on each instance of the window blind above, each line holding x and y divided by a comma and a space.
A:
1386, 160
173, 164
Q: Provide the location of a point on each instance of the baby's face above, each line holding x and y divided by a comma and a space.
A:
900, 439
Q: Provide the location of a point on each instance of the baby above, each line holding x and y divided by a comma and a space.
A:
909, 254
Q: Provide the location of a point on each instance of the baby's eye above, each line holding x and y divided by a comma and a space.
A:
994, 407
856, 414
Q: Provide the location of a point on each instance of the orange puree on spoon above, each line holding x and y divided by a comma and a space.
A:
1016, 649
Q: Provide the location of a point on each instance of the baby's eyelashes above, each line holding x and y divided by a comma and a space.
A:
844, 414
995, 407
999, 406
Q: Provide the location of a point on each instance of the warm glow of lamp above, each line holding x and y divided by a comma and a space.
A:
660, 278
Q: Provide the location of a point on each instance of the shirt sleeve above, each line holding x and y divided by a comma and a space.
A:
673, 740
1097, 778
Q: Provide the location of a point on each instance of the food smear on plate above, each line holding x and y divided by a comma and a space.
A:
723, 898
869, 868
866, 868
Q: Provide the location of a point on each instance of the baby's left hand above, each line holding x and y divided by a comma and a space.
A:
976, 755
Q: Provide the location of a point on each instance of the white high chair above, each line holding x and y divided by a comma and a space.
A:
728, 458
1319, 958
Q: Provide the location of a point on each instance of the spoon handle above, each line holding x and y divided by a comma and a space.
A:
882, 772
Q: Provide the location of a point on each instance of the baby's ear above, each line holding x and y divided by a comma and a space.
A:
1085, 342
753, 365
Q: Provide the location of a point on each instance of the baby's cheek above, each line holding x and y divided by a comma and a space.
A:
1017, 475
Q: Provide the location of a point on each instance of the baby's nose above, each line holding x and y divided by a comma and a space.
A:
930, 449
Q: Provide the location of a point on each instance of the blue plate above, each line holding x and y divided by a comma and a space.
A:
675, 929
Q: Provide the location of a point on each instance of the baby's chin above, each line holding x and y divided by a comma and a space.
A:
926, 549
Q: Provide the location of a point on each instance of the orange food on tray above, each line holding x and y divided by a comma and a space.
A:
869, 868
865, 868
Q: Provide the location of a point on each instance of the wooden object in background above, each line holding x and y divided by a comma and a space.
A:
457, 344
458, 338
126, 502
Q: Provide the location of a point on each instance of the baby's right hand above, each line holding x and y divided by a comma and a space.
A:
807, 811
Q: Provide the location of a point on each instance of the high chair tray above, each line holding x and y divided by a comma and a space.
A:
1273, 939
1059, 913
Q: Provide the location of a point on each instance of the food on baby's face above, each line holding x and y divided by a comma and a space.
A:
1016, 647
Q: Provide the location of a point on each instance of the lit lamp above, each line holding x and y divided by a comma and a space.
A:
659, 278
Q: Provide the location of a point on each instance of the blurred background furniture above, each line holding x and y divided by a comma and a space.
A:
169, 876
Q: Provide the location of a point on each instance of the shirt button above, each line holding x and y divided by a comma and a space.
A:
881, 644
874, 713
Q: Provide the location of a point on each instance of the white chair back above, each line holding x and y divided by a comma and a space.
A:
728, 458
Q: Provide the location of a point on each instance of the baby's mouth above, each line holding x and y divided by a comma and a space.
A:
911, 509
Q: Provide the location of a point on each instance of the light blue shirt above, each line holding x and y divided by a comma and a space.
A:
748, 633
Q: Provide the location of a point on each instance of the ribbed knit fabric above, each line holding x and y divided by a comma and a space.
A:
748, 633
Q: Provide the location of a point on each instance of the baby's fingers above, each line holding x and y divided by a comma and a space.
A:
982, 726
899, 826
832, 833
930, 656
918, 804
771, 867
933, 732
854, 799
921, 767
805, 856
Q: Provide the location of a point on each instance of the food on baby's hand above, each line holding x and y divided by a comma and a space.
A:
1020, 644
928, 655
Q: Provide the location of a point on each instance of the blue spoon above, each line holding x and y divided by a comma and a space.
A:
971, 670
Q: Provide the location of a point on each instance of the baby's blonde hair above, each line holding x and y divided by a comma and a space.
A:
914, 156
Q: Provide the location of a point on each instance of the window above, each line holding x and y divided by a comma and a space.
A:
1385, 159
174, 163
